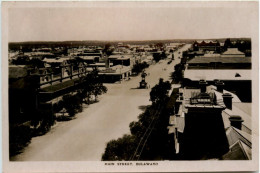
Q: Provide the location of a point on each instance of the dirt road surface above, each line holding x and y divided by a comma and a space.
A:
85, 138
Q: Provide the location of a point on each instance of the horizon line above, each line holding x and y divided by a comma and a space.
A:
133, 40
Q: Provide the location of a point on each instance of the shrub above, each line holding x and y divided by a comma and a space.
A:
19, 137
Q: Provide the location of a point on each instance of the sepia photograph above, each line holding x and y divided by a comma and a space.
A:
130, 86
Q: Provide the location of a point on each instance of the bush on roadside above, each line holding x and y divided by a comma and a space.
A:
19, 137
72, 103
63, 118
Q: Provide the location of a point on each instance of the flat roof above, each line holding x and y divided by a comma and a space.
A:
211, 74
207, 59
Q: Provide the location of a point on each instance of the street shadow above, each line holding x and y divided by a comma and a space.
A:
143, 107
134, 88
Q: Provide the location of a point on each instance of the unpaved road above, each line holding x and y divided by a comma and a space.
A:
85, 138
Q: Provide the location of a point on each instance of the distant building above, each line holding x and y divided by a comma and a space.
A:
120, 59
115, 73
233, 52
89, 59
206, 46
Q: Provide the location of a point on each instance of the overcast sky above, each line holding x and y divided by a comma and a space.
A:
138, 22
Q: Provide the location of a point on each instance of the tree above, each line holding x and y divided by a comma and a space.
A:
163, 55
21, 60
160, 92
156, 57
99, 89
91, 85
72, 103
120, 149
35, 63
107, 50
177, 74
160, 45
139, 67
227, 44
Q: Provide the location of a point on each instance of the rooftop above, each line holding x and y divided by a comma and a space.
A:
209, 59
211, 74
56, 60
206, 43
234, 135
239, 151
194, 98
119, 57
237, 110
88, 57
233, 51
17, 71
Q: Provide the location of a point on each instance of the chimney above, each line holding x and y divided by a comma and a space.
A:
227, 99
203, 85
220, 86
236, 121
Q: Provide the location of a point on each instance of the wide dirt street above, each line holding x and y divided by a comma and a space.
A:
85, 138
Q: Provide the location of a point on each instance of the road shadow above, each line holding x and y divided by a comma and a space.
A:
143, 107
135, 88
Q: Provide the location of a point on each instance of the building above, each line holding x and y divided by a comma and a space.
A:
22, 93
206, 46
199, 128
236, 80
211, 123
120, 60
219, 62
115, 73
233, 52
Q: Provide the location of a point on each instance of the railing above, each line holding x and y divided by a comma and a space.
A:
50, 78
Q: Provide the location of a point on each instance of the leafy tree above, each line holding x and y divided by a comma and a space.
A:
107, 50
160, 91
228, 44
156, 57
177, 74
160, 45
19, 137
139, 67
21, 60
163, 55
91, 85
99, 89
35, 63
71, 103
120, 149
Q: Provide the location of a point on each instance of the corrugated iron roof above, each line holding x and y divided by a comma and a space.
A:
239, 151
234, 135
209, 74
207, 60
